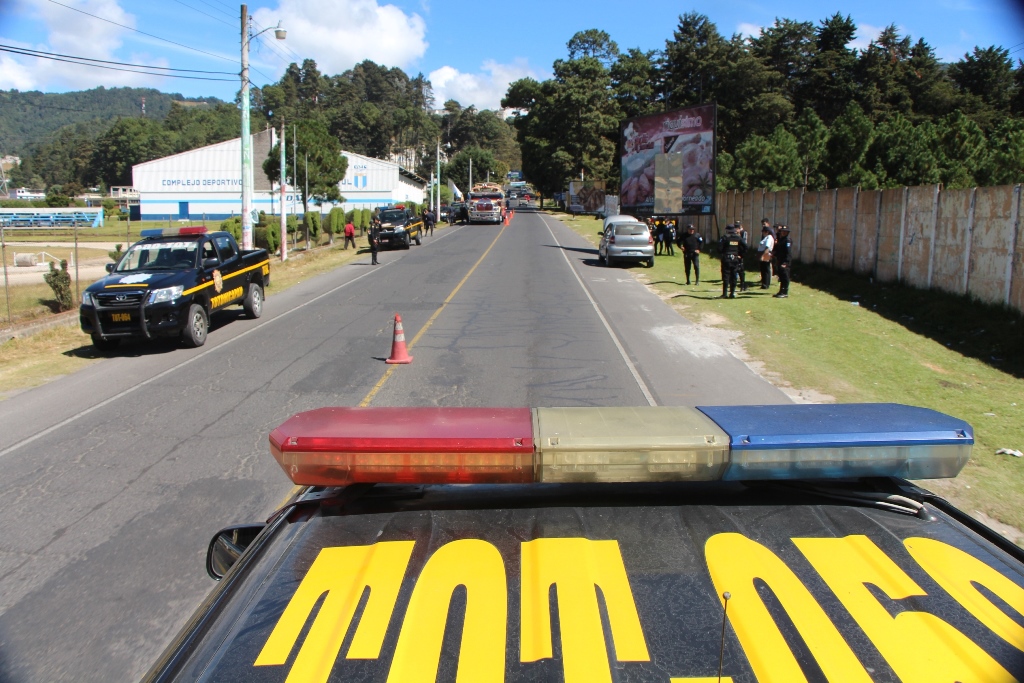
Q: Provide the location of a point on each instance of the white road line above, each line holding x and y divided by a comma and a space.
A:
67, 421
622, 351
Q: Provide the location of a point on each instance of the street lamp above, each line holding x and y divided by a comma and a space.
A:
246, 140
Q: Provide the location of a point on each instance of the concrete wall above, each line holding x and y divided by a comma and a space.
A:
845, 224
960, 241
865, 231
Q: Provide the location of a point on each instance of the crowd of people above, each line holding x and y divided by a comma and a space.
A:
774, 253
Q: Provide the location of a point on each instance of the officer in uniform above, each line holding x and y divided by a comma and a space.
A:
732, 248
374, 243
783, 256
741, 232
692, 243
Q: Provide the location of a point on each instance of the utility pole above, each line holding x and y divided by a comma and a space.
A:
284, 220
437, 209
470, 175
246, 140
305, 201
295, 180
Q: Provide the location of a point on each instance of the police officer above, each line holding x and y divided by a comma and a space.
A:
741, 232
732, 248
667, 238
765, 248
692, 243
374, 238
783, 256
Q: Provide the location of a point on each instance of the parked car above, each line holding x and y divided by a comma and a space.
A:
626, 242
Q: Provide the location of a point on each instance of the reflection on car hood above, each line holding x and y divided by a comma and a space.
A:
144, 279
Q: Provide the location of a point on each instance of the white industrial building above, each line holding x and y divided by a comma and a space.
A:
206, 183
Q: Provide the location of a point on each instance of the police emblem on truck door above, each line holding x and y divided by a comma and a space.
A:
218, 282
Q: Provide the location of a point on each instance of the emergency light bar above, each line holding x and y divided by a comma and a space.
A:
173, 232
339, 446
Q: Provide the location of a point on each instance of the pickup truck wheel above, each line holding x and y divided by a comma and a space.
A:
103, 345
418, 241
253, 303
407, 242
194, 334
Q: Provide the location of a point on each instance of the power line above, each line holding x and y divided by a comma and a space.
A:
187, 47
110, 68
104, 61
202, 12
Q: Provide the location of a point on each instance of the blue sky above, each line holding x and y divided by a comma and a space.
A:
470, 55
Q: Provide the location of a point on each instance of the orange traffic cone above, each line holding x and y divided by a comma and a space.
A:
399, 354
506, 219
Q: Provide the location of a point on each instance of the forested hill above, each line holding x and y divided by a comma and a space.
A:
28, 118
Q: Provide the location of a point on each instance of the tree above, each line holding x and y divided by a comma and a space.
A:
960, 149
831, 81
848, 141
457, 169
902, 153
593, 43
319, 158
635, 82
692, 61
771, 163
812, 139
1004, 163
880, 68
988, 75
129, 142
787, 48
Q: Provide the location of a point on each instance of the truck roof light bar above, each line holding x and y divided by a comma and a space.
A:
339, 446
173, 232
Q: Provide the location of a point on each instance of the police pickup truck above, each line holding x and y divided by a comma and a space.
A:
399, 227
670, 545
168, 284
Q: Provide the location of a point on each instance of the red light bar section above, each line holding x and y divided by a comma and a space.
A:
193, 230
338, 446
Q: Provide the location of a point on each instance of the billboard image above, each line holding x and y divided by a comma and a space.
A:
668, 162
586, 195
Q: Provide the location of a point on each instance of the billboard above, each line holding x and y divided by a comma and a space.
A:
668, 162
587, 196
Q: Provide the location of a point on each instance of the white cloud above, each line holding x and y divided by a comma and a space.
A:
484, 89
73, 33
341, 33
865, 34
749, 30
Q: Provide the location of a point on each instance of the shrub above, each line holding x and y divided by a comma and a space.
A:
60, 283
268, 237
313, 223
336, 220
234, 226
117, 253
262, 222
365, 215
291, 223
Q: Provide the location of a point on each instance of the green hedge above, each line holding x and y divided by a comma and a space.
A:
268, 238
336, 220
234, 226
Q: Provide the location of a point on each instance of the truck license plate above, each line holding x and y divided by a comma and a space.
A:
121, 317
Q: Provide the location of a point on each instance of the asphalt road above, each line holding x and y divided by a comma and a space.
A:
113, 480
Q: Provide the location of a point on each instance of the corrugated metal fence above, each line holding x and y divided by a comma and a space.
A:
962, 241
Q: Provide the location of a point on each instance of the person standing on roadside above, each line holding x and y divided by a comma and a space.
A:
350, 234
741, 232
783, 253
374, 244
764, 254
692, 243
732, 249
668, 238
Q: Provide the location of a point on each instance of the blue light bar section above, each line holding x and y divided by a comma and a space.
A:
841, 441
152, 232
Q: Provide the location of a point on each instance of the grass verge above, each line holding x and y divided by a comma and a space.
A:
842, 335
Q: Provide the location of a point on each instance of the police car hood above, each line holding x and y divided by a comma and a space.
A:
144, 279
646, 583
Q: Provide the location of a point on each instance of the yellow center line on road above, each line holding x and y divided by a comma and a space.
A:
391, 369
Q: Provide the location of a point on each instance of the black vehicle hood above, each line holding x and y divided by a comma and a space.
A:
145, 279
629, 588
